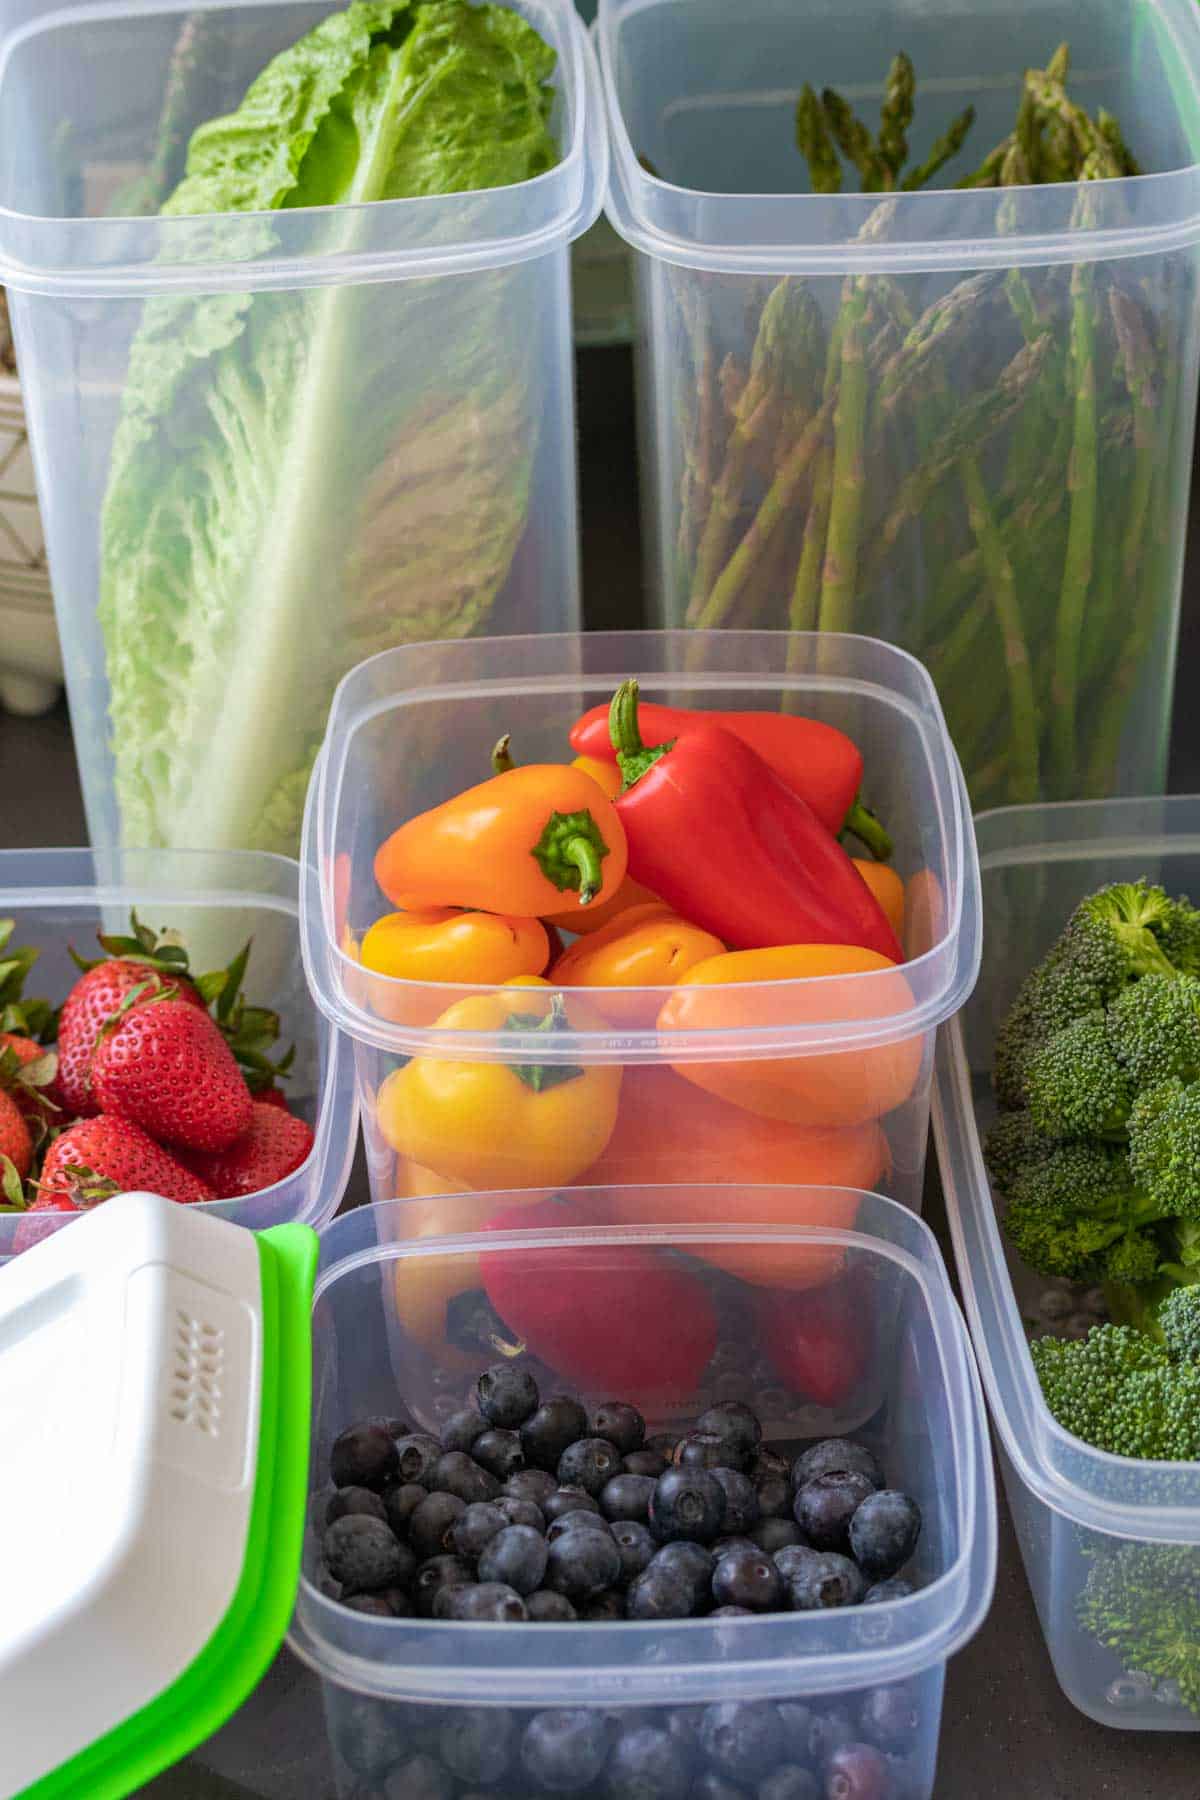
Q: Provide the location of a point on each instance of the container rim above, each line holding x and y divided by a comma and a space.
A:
325, 1171
117, 257
951, 963
917, 1632
939, 229
1092, 1488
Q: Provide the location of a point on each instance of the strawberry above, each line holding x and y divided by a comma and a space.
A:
273, 1144
95, 997
31, 1231
271, 1096
16, 1144
28, 1070
164, 1064
96, 1158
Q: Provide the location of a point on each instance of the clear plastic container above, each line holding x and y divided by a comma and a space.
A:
396, 1690
1085, 1520
941, 505
847, 1058
280, 441
61, 898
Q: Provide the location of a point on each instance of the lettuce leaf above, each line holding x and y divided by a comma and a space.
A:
301, 478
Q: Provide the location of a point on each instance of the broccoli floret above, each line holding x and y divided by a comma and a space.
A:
1164, 1147
1179, 1323
1143, 1602
1154, 1029
1119, 933
1014, 1143
1133, 1259
1076, 1213
1056, 993
1074, 1084
1122, 1392
1181, 939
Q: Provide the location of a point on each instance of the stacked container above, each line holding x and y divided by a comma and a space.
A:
409, 361
1106, 1540
1018, 506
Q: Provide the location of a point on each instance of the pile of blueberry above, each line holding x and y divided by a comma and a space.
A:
529, 1510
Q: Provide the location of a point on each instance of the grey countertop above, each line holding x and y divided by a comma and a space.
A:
1008, 1733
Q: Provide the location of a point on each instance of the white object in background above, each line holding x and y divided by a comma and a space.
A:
31, 671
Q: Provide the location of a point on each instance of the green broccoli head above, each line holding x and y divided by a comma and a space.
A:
1181, 939
1074, 1084
1164, 1146
1179, 1323
1133, 1260
1056, 993
1118, 933
1154, 1029
1014, 1143
1142, 1601
1121, 1392
1071, 1213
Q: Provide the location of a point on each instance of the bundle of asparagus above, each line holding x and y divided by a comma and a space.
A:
982, 473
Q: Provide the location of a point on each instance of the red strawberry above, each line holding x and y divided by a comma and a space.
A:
272, 1146
31, 1231
95, 997
15, 1141
96, 1158
271, 1096
166, 1066
30, 1086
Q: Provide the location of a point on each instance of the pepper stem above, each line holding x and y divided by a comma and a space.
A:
861, 823
502, 760
540, 1076
633, 756
570, 851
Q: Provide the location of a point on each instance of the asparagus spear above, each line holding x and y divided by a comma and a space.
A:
816, 145
1077, 568
849, 475
853, 140
895, 117
1113, 136
945, 147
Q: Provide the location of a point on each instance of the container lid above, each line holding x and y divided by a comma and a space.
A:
155, 1377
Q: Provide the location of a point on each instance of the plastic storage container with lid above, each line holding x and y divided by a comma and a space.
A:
802, 1081
1111, 1544
352, 425
59, 899
991, 497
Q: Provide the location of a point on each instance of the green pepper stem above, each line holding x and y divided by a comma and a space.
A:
569, 853
633, 757
502, 760
540, 1076
861, 823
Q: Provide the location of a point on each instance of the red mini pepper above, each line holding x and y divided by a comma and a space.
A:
622, 1320
717, 835
818, 1342
817, 761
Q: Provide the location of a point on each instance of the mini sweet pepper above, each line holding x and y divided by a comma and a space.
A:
645, 948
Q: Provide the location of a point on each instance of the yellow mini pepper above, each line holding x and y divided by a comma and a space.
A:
646, 947
440, 943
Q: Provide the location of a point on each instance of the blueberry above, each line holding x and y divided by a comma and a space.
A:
399, 1599
831, 1580
824, 1507
839, 1456
774, 1497
457, 1473
789, 1782
772, 1535
374, 1605
645, 1462
530, 1484
622, 1425
687, 1503
769, 1465
683, 1726
521, 1512
400, 1503
660, 1593
646, 1765
367, 1734
431, 1527
516, 1556
432, 1576
701, 1450
582, 1563
884, 1533
565, 1500
576, 1521
588, 1463
890, 1717
420, 1778
741, 1502
724, 1545
604, 1609
476, 1743
556, 1423
748, 1578
827, 1732
636, 1545
490, 1602
507, 1395
796, 1721
735, 1423
663, 1442
462, 1428
564, 1751
363, 1456
711, 1786
891, 1589
349, 1500
547, 1608
742, 1738
417, 1458
794, 1559
732, 1612
857, 1772
696, 1564
627, 1497
499, 1452
472, 1528
364, 1553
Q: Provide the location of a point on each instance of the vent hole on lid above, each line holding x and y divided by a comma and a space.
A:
195, 1386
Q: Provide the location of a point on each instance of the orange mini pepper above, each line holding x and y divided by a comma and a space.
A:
825, 1087
646, 947
888, 889
442, 943
606, 774
425, 1287
585, 921
520, 844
